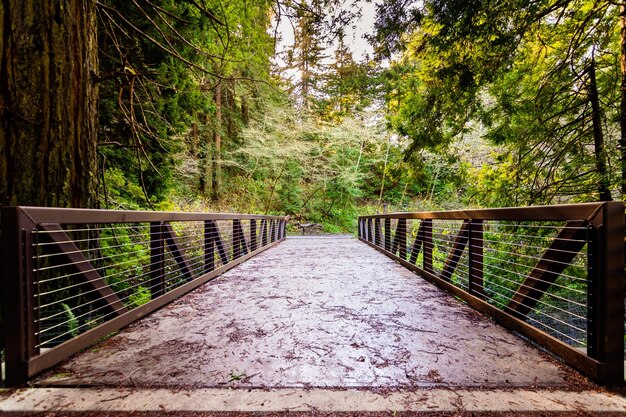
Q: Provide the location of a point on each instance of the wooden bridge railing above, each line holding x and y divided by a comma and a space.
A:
71, 277
554, 274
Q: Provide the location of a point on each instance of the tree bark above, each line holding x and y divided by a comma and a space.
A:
231, 106
48, 103
604, 190
206, 160
622, 117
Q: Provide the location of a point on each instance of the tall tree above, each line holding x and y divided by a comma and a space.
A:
48, 101
316, 24
307, 53
622, 107
597, 122
349, 86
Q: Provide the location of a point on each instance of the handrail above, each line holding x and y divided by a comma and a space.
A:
555, 274
73, 276
84, 216
538, 213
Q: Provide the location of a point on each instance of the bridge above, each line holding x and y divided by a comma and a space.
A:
465, 311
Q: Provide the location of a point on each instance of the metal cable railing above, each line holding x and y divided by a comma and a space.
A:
78, 275
554, 274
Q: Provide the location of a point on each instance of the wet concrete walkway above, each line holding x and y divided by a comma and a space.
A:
314, 312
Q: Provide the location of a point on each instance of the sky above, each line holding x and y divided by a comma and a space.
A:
358, 45
354, 35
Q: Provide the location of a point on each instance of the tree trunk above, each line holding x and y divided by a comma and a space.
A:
206, 160
622, 107
245, 111
230, 105
48, 103
598, 136
217, 141
382, 180
195, 135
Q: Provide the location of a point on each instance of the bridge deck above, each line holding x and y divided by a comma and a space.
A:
318, 311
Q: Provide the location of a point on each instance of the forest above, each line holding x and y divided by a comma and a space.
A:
207, 105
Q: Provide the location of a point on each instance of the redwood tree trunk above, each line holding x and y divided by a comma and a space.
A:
622, 117
48, 102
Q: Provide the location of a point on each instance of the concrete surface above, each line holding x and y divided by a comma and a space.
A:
437, 400
313, 312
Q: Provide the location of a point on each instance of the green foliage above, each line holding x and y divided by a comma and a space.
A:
506, 78
164, 146
303, 166
140, 296
521, 75
498, 185
70, 317
332, 228
123, 190
543, 112
126, 255
160, 68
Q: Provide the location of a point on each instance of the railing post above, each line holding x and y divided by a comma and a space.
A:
272, 230
593, 250
263, 232
401, 237
237, 232
377, 232
209, 246
368, 227
605, 293
428, 245
362, 229
364, 226
388, 234
157, 260
18, 265
253, 242
475, 248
